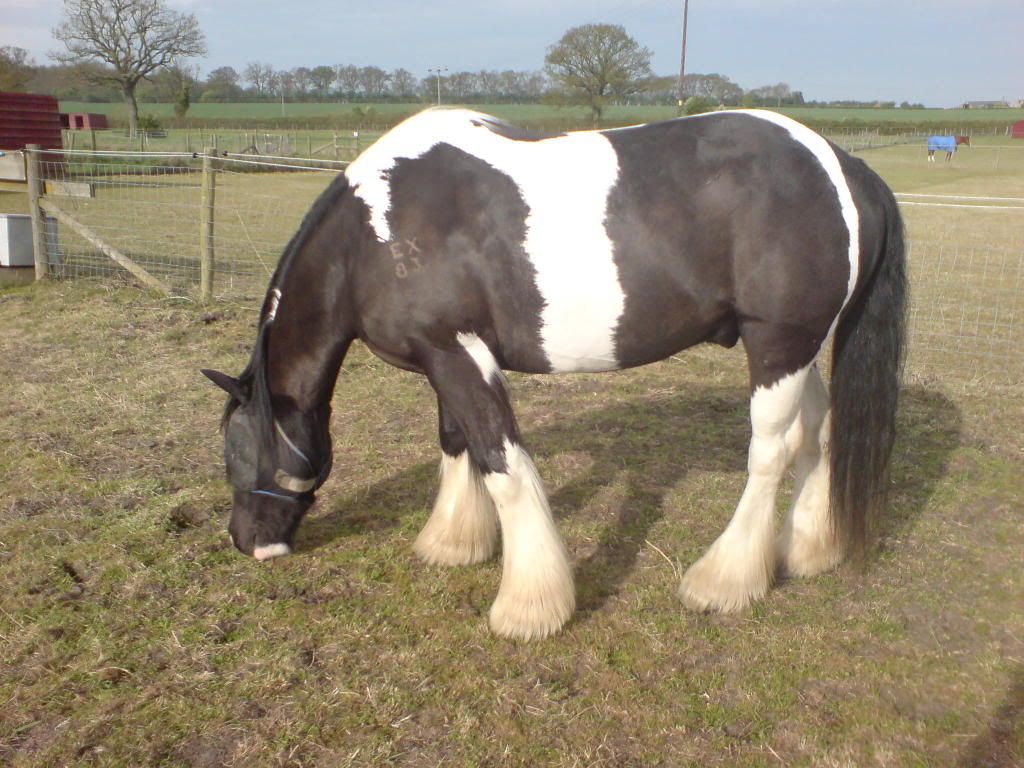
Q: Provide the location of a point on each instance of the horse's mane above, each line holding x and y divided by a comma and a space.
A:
254, 377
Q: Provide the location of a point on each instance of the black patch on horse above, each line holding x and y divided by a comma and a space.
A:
703, 224
468, 220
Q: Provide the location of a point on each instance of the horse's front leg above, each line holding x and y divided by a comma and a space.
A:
463, 527
536, 597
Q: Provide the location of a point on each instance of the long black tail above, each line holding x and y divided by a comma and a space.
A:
867, 364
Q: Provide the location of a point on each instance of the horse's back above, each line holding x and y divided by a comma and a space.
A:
603, 249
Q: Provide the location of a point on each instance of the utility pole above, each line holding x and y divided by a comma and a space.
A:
437, 71
680, 95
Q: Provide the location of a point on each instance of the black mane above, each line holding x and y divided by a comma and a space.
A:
253, 378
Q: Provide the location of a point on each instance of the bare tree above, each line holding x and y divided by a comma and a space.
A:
595, 62
134, 38
259, 76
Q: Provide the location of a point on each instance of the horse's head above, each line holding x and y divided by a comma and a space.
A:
276, 459
963, 140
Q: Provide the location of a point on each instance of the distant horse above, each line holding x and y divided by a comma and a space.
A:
458, 246
947, 144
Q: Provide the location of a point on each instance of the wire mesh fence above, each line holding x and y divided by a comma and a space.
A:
148, 209
966, 254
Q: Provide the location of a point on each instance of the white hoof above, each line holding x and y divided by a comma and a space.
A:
536, 609
804, 554
725, 584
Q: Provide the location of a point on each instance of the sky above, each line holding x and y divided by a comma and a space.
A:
938, 52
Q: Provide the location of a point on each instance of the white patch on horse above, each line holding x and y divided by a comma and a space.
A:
275, 299
267, 551
481, 355
565, 182
537, 595
825, 155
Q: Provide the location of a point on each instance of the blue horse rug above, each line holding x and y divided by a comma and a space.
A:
942, 143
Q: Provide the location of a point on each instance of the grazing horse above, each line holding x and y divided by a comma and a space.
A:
947, 144
459, 246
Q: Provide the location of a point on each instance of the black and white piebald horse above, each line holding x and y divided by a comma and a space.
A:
458, 246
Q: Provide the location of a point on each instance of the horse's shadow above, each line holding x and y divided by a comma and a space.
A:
650, 444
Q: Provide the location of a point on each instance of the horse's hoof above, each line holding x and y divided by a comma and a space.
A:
534, 611
714, 584
803, 555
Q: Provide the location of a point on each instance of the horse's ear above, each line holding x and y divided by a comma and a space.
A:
229, 384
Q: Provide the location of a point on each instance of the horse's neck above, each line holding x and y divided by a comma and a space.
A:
309, 332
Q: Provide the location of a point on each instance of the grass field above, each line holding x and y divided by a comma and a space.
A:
131, 632
539, 113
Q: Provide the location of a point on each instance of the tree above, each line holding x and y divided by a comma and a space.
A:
259, 75
321, 78
402, 84
222, 85
595, 62
15, 68
134, 38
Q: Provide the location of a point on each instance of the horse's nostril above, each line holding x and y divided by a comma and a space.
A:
267, 551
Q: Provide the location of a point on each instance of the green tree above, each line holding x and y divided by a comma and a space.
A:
15, 68
183, 102
594, 63
695, 105
133, 38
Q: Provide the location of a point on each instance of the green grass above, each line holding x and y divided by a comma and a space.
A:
131, 632
539, 113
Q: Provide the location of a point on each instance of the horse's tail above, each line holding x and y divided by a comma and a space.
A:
867, 362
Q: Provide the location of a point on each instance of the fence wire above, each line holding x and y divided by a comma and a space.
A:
149, 208
966, 266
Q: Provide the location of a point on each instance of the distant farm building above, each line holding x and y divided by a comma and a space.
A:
84, 121
1017, 130
984, 105
29, 118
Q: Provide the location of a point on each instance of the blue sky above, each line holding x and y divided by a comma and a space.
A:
939, 52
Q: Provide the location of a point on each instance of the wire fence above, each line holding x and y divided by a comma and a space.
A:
965, 252
150, 210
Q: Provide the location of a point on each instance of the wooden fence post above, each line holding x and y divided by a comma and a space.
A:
335, 145
35, 190
206, 222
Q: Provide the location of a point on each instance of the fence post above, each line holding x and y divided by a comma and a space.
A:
92, 139
335, 145
35, 189
206, 221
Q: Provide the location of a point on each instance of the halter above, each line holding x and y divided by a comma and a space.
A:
290, 498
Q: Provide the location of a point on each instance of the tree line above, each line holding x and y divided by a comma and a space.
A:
132, 49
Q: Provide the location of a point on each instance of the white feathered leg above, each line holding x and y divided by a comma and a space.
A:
807, 544
463, 527
739, 567
537, 595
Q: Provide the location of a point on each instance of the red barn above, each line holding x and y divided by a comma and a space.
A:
29, 118
1017, 131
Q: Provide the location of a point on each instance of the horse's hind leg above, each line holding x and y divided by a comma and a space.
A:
462, 528
536, 596
808, 543
740, 565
